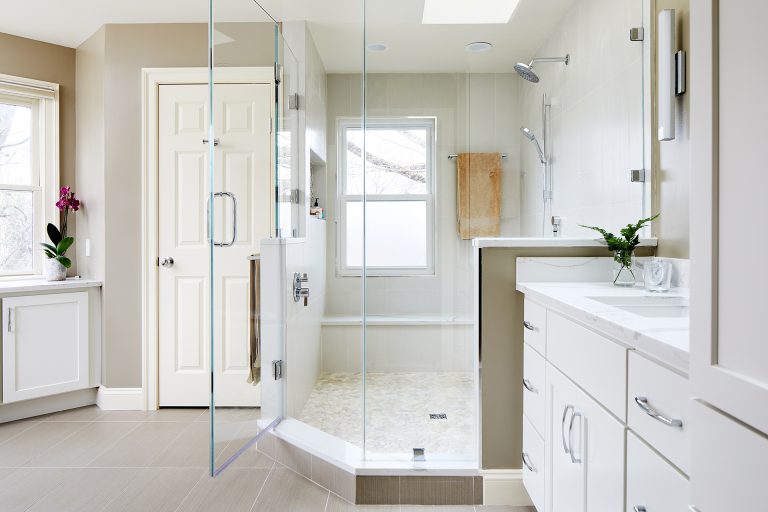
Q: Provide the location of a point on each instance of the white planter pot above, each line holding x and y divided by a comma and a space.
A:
53, 270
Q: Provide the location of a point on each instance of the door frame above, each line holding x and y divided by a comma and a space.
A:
151, 80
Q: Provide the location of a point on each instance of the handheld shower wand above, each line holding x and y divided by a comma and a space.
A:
531, 137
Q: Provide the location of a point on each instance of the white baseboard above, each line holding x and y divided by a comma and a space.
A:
504, 487
46, 405
120, 399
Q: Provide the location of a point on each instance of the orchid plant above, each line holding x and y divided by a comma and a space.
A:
60, 242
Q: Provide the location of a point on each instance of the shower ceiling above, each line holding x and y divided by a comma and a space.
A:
413, 46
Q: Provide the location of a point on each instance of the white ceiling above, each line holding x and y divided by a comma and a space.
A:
336, 26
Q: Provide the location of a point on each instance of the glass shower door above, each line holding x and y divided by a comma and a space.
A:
242, 208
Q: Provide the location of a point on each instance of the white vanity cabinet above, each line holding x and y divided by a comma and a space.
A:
615, 423
45, 345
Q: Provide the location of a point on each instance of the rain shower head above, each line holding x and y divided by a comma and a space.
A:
531, 137
526, 70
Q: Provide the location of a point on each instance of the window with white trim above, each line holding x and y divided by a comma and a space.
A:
28, 171
398, 191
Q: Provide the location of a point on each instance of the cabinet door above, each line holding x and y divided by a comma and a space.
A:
568, 478
728, 284
45, 345
587, 451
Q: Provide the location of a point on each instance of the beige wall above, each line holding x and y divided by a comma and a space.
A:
115, 222
42, 61
672, 159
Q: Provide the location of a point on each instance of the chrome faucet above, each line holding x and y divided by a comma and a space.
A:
299, 291
557, 223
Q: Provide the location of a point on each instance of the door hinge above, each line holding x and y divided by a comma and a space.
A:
10, 319
270, 125
636, 34
277, 369
293, 101
637, 175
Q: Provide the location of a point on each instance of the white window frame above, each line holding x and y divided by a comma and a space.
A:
342, 198
43, 97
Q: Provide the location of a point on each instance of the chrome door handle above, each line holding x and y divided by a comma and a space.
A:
234, 218
528, 325
527, 385
642, 402
166, 262
570, 437
215, 142
528, 464
562, 428
640, 508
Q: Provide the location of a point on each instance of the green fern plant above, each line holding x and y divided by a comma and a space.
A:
623, 246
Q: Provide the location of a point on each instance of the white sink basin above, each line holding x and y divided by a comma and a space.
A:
650, 306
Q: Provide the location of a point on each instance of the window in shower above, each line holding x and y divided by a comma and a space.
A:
398, 190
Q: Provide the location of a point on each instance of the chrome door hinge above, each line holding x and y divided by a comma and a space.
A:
10, 319
637, 175
278, 69
295, 196
293, 101
636, 34
277, 369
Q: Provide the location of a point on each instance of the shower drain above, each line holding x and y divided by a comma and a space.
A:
438, 416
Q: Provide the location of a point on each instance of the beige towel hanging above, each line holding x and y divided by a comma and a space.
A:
254, 327
478, 194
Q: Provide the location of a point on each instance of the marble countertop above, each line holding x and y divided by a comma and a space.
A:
665, 339
41, 285
488, 242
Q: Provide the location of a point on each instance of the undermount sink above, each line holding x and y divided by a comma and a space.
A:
649, 306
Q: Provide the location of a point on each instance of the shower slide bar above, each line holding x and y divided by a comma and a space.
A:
451, 157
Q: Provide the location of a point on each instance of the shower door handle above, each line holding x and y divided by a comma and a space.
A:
234, 218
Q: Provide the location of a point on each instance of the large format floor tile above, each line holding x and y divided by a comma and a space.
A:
86, 490
286, 490
142, 445
34, 441
83, 446
157, 490
25, 487
235, 490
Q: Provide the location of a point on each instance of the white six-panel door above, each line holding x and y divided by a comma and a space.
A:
242, 168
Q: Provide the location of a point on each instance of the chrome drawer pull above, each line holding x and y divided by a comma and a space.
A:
570, 437
526, 461
642, 402
528, 325
562, 428
527, 385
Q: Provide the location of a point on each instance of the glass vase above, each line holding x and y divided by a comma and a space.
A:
624, 269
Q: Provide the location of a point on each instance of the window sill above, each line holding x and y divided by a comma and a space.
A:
39, 284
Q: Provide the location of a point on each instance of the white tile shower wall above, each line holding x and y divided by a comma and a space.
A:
398, 348
596, 121
474, 113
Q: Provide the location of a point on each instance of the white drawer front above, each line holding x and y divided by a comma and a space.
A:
534, 326
534, 390
534, 468
652, 482
596, 364
667, 395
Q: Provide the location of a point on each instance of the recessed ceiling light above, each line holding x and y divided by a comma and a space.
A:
462, 12
478, 47
377, 47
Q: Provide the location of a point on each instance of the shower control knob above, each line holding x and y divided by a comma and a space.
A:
166, 262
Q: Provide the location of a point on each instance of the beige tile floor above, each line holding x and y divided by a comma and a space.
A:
91, 460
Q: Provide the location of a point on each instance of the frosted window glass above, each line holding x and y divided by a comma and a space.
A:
17, 221
396, 234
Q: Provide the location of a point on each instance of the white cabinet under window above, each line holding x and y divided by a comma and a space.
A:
45, 345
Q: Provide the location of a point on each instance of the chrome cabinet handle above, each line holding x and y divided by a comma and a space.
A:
570, 437
562, 428
527, 385
528, 464
528, 325
640, 508
234, 218
642, 402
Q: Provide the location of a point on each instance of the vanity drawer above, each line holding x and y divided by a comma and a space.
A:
534, 369
652, 482
534, 326
667, 395
533, 465
596, 364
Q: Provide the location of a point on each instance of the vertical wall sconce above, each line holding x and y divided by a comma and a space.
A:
666, 74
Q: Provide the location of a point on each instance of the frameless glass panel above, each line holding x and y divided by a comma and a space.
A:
16, 231
241, 204
16, 145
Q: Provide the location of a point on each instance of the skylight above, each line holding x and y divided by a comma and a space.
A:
463, 12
